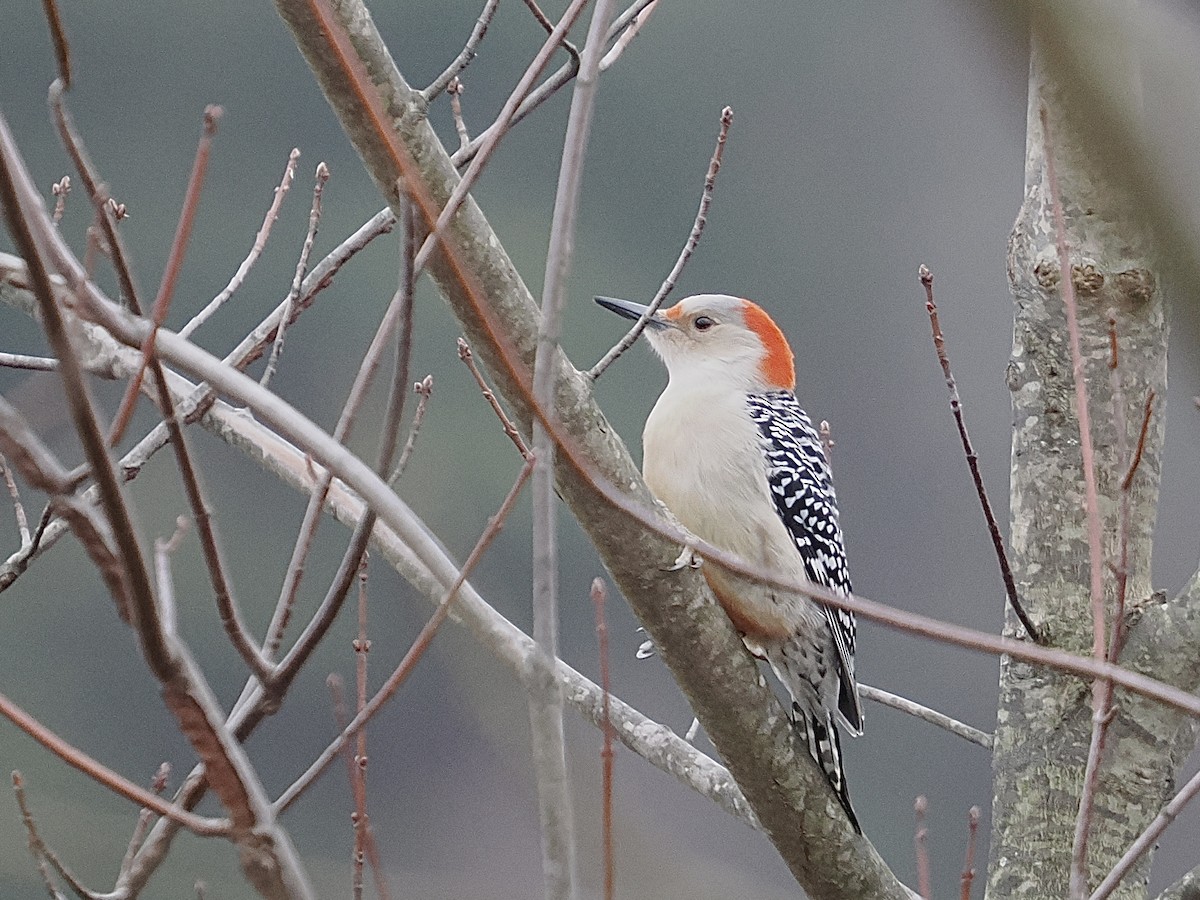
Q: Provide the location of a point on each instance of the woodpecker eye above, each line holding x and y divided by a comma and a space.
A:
703, 323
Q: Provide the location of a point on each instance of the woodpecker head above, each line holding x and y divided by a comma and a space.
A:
717, 338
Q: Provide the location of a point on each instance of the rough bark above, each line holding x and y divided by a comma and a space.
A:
1044, 718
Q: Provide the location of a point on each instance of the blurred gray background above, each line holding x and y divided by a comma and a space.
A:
868, 138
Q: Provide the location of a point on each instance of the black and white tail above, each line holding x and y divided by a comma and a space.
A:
825, 745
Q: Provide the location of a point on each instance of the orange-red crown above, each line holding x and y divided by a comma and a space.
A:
778, 365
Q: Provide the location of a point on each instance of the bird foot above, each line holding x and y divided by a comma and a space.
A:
687, 559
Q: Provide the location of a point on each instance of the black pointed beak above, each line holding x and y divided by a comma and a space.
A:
629, 310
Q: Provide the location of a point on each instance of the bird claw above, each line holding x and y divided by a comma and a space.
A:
687, 559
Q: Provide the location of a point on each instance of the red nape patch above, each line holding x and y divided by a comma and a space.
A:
778, 366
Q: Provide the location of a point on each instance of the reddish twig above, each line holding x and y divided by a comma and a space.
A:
689, 246
921, 845
45, 857
607, 755
166, 290
414, 654
464, 353
939, 343
58, 35
1147, 839
358, 783
370, 847
314, 219
968, 872
106, 777
1101, 690
260, 243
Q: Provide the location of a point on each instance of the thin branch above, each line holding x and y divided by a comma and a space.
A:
106, 777
314, 219
166, 289
491, 138
968, 872
414, 654
397, 319
939, 343
547, 89
465, 354
545, 693
42, 852
158, 785
58, 35
260, 243
31, 363
932, 716
599, 594
710, 183
424, 391
18, 507
1147, 839
626, 37
443, 81
921, 845
97, 195
192, 407
455, 90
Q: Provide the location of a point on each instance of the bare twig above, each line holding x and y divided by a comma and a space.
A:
370, 847
314, 219
689, 246
396, 319
455, 91
192, 407
424, 390
260, 243
464, 353
158, 785
164, 578
106, 777
414, 654
18, 507
42, 852
32, 363
599, 594
58, 35
921, 845
470, 48
547, 88
1147, 839
968, 872
939, 343
60, 190
491, 138
545, 693
932, 716
1101, 690
166, 290
97, 194
625, 37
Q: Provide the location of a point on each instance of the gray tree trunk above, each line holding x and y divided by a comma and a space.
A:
1044, 719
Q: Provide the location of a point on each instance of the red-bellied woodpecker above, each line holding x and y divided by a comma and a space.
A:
730, 452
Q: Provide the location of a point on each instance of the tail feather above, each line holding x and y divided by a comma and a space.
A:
825, 746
